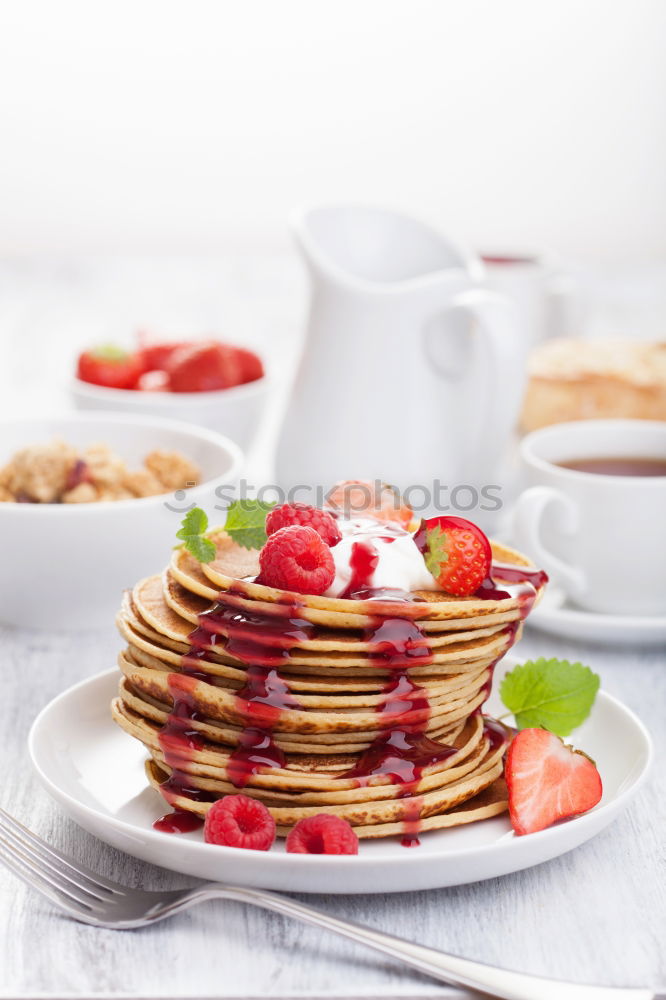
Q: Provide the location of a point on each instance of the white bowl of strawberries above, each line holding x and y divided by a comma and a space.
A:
205, 382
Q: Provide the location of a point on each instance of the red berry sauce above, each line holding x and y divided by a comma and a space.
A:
178, 821
521, 583
262, 641
363, 562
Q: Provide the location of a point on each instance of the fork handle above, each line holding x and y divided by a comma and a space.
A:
437, 964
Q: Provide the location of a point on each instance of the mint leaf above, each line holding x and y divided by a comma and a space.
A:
436, 554
201, 548
246, 522
194, 524
550, 694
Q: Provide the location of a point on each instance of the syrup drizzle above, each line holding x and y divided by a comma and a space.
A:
178, 821
177, 739
262, 700
262, 642
363, 563
495, 732
521, 583
402, 751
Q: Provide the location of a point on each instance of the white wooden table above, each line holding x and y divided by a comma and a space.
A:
597, 914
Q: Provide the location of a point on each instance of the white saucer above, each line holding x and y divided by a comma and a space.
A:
96, 772
556, 615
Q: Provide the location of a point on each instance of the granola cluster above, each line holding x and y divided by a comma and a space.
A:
59, 473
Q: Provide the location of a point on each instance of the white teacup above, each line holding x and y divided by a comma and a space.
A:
542, 291
601, 537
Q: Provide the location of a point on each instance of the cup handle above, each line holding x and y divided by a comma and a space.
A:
528, 517
499, 379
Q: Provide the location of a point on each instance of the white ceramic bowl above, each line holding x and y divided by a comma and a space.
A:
235, 412
65, 566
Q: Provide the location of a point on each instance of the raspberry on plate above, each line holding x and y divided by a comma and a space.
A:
297, 558
322, 834
301, 513
238, 821
547, 781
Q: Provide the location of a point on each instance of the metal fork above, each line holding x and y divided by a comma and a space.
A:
93, 899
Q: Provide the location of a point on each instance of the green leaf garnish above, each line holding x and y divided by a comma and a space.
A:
436, 554
246, 522
550, 694
194, 524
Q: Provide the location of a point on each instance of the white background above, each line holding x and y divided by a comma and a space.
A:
196, 126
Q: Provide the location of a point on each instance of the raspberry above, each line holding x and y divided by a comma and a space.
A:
238, 821
322, 834
297, 558
301, 513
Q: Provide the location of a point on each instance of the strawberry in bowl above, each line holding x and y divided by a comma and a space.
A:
204, 381
110, 366
185, 366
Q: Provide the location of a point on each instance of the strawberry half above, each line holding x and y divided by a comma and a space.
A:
456, 552
547, 781
109, 366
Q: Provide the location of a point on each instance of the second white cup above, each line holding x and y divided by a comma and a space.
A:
601, 537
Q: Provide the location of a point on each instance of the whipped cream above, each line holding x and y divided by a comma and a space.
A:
400, 564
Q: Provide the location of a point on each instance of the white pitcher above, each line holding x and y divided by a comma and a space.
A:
410, 371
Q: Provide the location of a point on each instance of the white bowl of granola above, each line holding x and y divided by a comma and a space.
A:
90, 502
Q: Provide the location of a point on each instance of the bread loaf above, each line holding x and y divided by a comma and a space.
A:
588, 379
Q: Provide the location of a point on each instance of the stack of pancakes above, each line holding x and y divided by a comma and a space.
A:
368, 709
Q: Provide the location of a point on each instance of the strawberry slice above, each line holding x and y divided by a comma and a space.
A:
547, 781
456, 552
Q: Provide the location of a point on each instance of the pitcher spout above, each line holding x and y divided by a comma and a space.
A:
376, 250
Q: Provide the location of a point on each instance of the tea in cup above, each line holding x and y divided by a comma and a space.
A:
594, 513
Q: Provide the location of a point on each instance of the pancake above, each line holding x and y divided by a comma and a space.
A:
302, 771
387, 817
151, 596
328, 648
369, 709
426, 604
335, 753
208, 580
224, 705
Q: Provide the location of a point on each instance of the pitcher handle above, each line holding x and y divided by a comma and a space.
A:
500, 380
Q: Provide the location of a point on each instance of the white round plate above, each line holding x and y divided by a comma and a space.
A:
555, 615
95, 771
